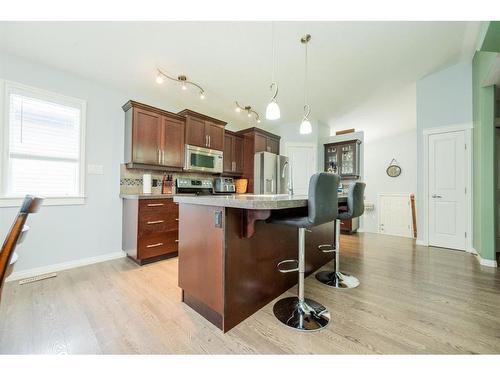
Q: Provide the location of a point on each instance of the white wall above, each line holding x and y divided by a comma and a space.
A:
379, 153
388, 124
68, 233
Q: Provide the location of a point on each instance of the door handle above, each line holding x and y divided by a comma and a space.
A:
159, 157
436, 196
206, 140
209, 141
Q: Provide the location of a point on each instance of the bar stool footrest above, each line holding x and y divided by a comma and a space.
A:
326, 248
287, 270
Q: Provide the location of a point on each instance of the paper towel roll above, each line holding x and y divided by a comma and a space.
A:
146, 183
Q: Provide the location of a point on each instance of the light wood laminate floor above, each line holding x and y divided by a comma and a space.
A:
412, 299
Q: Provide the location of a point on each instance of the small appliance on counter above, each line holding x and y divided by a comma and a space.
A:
167, 185
224, 185
146, 183
198, 186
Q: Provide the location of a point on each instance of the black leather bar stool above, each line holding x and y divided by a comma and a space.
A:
299, 312
355, 208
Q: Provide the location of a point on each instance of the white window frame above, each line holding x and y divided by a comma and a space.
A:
6, 87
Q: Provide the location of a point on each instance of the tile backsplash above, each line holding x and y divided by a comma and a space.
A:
131, 179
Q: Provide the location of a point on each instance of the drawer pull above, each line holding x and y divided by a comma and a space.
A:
176, 240
177, 219
155, 204
155, 244
155, 222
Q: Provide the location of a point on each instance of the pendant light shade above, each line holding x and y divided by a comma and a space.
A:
273, 110
305, 127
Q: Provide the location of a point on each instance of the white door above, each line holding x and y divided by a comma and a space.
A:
395, 214
302, 157
447, 183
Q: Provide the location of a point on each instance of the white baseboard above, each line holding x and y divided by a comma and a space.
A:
483, 262
64, 266
420, 243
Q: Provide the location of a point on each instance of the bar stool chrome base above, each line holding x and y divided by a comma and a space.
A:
337, 279
311, 316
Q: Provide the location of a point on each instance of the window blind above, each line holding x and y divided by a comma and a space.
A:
44, 147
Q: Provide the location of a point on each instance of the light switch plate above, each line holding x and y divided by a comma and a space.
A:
95, 169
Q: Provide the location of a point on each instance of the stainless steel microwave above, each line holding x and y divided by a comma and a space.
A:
201, 159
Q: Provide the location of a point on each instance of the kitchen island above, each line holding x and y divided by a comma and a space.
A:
228, 254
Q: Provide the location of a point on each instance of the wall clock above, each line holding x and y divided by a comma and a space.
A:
393, 170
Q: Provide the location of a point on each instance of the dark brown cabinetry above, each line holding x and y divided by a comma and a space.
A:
203, 131
233, 153
153, 137
150, 229
256, 140
343, 158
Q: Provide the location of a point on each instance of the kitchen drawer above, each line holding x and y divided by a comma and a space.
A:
156, 222
163, 205
148, 227
157, 244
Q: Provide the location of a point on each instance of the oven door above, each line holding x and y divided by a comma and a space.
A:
203, 159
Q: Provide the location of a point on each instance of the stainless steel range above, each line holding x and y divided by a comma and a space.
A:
198, 186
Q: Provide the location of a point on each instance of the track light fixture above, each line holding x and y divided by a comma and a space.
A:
182, 79
249, 111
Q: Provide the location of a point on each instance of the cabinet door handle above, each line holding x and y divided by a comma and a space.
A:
176, 240
155, 222
155, 204
209, 141
155, 244
206, 140
159, 157
177, 219
163, 156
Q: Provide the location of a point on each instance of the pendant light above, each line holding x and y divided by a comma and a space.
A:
305, 126
273, 109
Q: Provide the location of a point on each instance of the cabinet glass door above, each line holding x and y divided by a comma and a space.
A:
347, 160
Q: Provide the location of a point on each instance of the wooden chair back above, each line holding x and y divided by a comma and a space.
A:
17, 232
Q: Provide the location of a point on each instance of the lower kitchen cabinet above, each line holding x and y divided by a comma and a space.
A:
150, 229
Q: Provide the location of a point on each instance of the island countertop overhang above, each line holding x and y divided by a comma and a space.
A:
246, 201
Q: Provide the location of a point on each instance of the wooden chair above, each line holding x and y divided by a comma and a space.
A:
15, 236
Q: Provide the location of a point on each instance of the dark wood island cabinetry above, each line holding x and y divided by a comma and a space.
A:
228, 254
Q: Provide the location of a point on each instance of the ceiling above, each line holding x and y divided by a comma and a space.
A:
349, 62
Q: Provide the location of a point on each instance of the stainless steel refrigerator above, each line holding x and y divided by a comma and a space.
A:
271, 173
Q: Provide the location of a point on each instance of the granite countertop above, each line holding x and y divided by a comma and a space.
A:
247, 201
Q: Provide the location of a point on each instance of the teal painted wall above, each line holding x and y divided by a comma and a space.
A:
443, 98
484, 157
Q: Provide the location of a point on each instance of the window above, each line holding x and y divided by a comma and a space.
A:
44, 148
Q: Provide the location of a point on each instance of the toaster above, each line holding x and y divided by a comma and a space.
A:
224, 185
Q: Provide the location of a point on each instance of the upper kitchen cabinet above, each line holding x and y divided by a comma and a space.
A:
203, 131
153, 137
233, 153
256, 140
